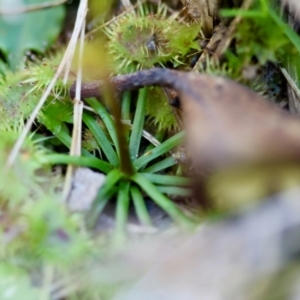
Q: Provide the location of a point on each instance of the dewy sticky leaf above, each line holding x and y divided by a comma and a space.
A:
34, 30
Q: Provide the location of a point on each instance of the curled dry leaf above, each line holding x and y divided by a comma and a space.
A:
226, 123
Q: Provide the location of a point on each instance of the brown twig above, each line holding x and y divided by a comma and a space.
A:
156, 76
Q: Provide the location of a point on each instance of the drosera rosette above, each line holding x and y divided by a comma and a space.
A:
20, 91
40, 73
15, 106
145, 39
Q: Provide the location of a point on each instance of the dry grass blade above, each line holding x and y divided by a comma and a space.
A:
77, 117
66, 61
293, 89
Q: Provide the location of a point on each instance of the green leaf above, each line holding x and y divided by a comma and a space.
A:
175, 191
104, 194
159, 150
101, 139
140, 207
161, 165
138, 124
161, 200
227, 13
168, 179
122, 208
107, 119
92, 162
35, 30
288, 31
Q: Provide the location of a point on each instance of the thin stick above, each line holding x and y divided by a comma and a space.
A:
80, 19
77, 117
29, 8
17, 147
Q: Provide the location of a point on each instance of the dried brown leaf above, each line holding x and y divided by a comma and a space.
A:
228, 124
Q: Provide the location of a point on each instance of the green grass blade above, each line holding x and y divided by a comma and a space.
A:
159, 150
104, 194
92, 216
175, 191
101, 139
107, 119
161, 200
167, 179
228, 13
64, 137
140, 207
125, 109
138, 124
288, 31
92, 162
161, 165
122, 208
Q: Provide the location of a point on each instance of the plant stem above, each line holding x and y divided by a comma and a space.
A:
125, 161
126, 101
